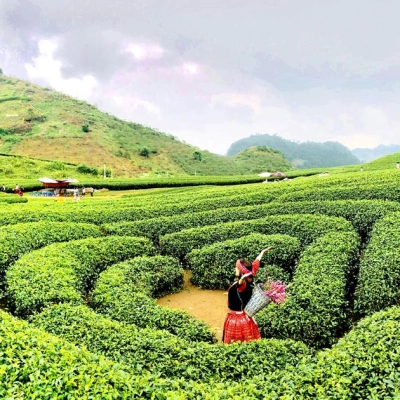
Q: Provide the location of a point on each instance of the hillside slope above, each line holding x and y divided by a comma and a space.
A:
41, 123
386, 162
301, 155
263, 159
366, 155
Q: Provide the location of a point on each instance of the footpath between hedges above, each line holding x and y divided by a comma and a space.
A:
209, 306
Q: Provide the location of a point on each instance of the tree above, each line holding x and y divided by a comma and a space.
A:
197, 155
144, 152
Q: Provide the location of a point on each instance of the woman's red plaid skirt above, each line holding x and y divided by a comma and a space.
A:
239, 327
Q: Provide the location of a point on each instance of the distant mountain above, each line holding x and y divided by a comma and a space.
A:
366, 155
301, 155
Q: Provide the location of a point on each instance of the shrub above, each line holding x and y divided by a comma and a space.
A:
16, 240
64, 272
144, 152
305, 228
213, 267
163, 354
84, 169
379, 277
117, 296
315, 311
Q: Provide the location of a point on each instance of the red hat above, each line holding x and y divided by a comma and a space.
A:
243, 270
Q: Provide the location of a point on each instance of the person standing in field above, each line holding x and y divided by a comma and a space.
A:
397, 165
238, 326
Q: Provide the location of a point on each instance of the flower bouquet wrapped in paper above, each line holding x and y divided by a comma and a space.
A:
263, 294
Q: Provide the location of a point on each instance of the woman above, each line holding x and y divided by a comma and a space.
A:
238, 326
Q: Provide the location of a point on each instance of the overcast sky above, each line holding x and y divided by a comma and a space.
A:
212, 72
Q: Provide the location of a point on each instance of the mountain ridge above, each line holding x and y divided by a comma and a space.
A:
302, 155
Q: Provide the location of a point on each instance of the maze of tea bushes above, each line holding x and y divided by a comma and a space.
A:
92, 276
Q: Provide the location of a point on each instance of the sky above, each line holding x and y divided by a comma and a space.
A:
213, 72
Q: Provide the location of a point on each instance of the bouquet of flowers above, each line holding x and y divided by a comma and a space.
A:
275, 290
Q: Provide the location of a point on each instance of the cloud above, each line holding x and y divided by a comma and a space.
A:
213, 72
48, 70
130, 103
238, 99
143, 51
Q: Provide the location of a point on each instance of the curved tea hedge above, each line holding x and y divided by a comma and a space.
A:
16, 240
361, 213
37, 365
362, 365
365, 192
213, 266
304, 227
379, 277
316, 309
166, 355
122, 295
106, 214
64, 272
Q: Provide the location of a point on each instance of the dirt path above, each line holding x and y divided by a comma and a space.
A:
209, 306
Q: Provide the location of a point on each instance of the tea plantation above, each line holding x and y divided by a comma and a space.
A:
80, 282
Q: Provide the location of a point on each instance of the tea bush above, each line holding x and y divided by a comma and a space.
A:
16, 240
118, 296
315, 311
304, 227
163, 354
379, 277
64, 272
213, 266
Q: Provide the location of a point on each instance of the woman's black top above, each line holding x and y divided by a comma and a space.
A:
237, 301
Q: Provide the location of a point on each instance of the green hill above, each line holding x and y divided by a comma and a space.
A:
386, 162
367, 155
262, 159
40, 123
301, 155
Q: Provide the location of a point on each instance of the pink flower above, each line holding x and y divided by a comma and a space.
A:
275, 290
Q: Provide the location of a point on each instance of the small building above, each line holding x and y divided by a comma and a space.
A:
278, 174
56, 186
57, 183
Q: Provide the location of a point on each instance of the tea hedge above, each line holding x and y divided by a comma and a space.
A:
362, 214
370, 192
316, 310
64, 272
12, 199
100, 215
304, 227
364, 364
16, 240
163, 354
213, 266
154, 276
379, 277
118, 296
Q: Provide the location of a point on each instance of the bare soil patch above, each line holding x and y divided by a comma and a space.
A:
209, 306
